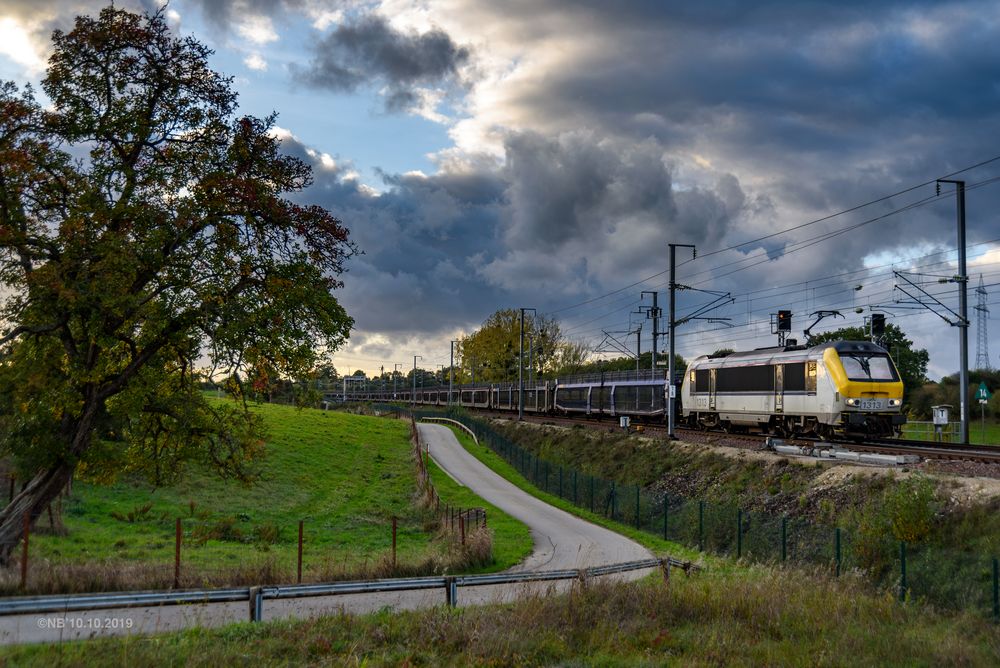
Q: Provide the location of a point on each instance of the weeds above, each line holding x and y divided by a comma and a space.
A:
760, 616
137, 514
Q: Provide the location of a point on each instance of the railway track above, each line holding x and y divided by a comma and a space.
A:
925, 449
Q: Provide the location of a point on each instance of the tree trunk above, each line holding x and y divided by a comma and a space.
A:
40, 491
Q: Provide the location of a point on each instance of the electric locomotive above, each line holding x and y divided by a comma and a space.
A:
842, 388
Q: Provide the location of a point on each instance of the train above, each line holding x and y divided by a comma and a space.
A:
838, 389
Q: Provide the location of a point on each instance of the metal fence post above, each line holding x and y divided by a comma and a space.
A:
996, 590
461, 527
613, 500
902, 571
637, 506
784, 537
574, 489
701, 526
256, 604
666, 510
591, 493
836, 545
739, 533
560, 481
450, 591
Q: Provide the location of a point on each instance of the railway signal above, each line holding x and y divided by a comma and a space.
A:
781, 324
878, 324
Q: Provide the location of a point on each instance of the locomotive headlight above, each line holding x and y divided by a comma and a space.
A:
895, 402
853, 402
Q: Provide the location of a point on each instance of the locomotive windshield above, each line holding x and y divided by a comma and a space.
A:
860, 366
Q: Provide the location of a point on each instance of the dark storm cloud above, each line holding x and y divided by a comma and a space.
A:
369, 50
222, 13
420, 240
60, 14
561, 216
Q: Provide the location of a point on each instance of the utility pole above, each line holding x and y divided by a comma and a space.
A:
413, 395
963, 309
638, 346
531, 360
654, 314
451, 372
520, 369
395, 374
671, 390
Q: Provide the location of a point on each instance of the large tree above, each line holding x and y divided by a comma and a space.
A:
490, 353
145, 226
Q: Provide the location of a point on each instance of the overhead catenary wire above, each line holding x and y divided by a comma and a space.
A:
772, 235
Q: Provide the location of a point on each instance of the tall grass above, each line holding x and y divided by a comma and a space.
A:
758, 616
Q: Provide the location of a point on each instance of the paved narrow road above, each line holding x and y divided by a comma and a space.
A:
561, 541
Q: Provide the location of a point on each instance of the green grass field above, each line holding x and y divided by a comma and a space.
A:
981, 432
754, 616
729, 613
345, 476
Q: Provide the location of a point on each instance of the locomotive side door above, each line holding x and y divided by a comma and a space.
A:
779, 384
711, 389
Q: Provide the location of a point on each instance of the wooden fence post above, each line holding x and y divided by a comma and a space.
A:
177, 554
394, 543
24, 553
300, 551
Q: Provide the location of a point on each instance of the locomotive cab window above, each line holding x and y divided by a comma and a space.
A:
868, 367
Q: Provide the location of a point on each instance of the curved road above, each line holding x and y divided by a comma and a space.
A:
561, 541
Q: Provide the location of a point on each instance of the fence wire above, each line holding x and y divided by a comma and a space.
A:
944, 577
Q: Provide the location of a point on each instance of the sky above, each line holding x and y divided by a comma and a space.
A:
543, 154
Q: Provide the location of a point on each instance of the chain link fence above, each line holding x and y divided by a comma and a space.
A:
949, 578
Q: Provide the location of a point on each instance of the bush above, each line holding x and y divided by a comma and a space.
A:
910, 506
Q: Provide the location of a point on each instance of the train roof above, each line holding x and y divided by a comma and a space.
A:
803, 351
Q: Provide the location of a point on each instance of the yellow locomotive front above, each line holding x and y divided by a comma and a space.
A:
868, 391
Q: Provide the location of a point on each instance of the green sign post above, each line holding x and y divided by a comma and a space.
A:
983, 394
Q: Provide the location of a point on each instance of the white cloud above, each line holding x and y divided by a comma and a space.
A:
324, 18
15, 43
257, 29
427, 104
325, 159
255, 62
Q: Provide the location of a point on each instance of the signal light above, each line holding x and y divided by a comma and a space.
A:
784, 321
878, 324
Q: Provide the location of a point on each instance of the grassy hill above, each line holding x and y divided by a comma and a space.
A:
345, 476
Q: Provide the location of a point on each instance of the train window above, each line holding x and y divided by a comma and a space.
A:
702, 380
868, 367
745, 379
795, 377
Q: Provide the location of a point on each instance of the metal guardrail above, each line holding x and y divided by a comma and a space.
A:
256, 596
471, 433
